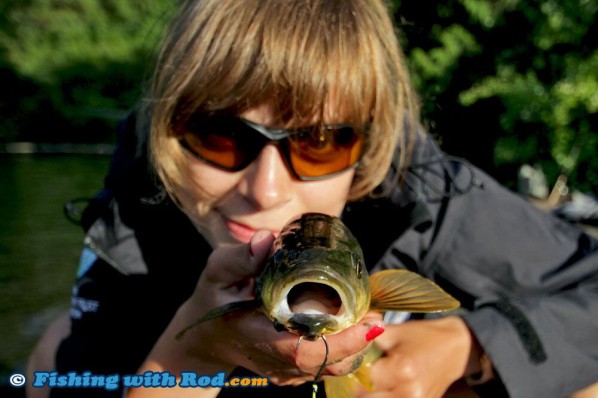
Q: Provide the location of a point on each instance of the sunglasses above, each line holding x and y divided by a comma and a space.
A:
311, 153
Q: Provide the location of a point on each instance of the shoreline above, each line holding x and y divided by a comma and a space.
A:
31, 148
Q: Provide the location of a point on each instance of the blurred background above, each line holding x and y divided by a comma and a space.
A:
511, 85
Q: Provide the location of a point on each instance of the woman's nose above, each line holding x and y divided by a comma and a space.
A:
267, 182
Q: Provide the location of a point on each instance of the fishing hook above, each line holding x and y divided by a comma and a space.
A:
299, 340
314, 384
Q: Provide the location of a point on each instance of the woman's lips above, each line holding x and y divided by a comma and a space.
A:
241, 232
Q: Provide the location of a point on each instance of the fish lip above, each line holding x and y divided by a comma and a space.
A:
312, 326
282, 313
323, 276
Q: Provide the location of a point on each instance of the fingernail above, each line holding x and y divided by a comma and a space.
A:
374, 332
256, 238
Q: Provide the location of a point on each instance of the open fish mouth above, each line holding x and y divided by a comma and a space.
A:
314, 298
313, 306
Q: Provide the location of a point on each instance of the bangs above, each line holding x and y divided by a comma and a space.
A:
311, 61
317, 61
300, 58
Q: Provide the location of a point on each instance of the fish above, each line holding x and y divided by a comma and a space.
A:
316, 283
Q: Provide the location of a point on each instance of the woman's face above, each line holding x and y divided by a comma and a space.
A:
229, 207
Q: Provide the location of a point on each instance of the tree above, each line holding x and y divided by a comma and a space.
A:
515, 80
85, 59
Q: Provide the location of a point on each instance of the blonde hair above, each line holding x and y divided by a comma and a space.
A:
295, 55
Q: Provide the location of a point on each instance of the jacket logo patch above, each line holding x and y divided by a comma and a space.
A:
80, 306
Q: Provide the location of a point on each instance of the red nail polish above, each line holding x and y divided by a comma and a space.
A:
374, 332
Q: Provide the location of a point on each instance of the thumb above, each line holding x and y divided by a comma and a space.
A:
260, 247
230, 265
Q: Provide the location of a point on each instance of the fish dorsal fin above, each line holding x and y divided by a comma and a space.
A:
221, 311
402, 290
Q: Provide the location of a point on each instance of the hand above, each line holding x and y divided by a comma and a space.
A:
423, 358
248, 338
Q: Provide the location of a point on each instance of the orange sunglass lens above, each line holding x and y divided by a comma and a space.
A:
219, 149
325, 152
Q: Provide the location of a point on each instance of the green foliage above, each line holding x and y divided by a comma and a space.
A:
515, 80
441, 61
82, 60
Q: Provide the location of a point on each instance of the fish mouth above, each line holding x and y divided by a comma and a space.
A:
314, 305
314, 298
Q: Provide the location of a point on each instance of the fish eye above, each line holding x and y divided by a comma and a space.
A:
358, 264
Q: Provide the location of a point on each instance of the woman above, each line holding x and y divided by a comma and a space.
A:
261, 110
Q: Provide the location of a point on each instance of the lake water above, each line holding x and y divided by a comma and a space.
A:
39, 247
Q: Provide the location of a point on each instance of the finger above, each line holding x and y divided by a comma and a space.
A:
380, 377
384, 368
356, 338
387, 381
389, 338
260, 247
229, 265
344, 348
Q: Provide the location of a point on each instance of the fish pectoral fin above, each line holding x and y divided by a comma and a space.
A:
364, 376
345, 386
402, 290
217, 312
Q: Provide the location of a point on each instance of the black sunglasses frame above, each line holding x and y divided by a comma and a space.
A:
278, 136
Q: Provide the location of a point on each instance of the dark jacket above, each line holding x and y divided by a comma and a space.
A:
527, 281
